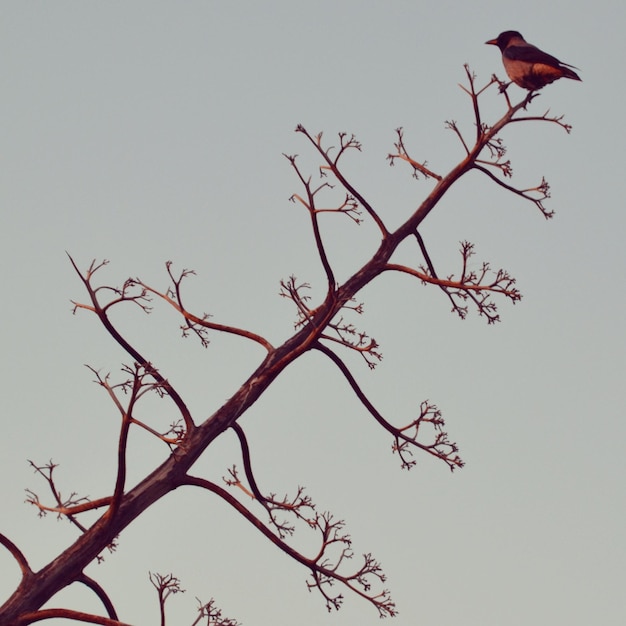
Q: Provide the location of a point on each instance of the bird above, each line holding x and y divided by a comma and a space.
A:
528, 66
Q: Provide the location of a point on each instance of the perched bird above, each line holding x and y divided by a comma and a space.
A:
526, 65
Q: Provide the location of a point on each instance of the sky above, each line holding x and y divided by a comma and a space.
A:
142, 132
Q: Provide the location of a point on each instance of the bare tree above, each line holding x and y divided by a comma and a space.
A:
326, 327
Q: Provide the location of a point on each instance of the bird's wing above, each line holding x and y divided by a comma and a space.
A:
530, 54
568, 65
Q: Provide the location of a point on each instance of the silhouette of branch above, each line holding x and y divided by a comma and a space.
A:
100, 592
74, 505
316, 326
18, 555
402, 153
127, 293
498, 150
545, 118
332, 164
433, 273
213, 615
324, 567
301, 505
348, 207
543, 191
77, 616
64, 506
296, 292
72, 509
344, 333
406, 437
166, 586
309, 203
133, 389
474, 95
475, 285
348, 336
194, 324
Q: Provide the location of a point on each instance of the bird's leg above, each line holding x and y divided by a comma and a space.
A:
506, 94
529, 98
502, 87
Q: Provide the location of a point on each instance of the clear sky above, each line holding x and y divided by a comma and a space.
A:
143, 132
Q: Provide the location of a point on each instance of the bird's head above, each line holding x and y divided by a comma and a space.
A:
503, 39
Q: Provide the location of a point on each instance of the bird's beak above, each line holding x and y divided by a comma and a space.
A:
492, 42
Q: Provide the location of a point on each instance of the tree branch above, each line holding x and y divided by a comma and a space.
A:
315, 325
18, 555
345, 143
441, 448
323, 571
100, 592
101, 312
472, 284
195, 324
76, 616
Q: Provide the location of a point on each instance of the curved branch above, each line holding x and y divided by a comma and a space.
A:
544, 118
64, 507
247, 464
402, 153
299, 505
454, 284
431, 269
313, 214
195, 481
332, 166
192, 319
78, 616
20, 607
470, 78
441, 449
166, 586
323, 575
17, 554
359, 341
470, 286
101, 312
126, 414
213, 615
100, 592
68, 511
543, 188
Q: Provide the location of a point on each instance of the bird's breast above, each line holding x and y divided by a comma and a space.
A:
531, 75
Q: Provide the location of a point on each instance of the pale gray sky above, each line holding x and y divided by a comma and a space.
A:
143, 132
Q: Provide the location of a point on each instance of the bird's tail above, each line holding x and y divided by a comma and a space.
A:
569, 73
